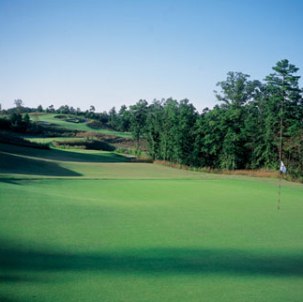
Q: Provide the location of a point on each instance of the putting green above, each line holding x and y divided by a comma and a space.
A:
122, 231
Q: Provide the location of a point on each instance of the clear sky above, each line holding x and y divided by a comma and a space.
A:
109, 52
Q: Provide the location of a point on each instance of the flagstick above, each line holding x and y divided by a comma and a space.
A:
279, 193
280, 154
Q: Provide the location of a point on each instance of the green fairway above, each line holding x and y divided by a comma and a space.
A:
50, 118
48, 140
93, 226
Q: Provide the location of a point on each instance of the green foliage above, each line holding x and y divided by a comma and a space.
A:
285, 119
244, 131
237, 89
10, 138
138, 118
16, 122
89, 144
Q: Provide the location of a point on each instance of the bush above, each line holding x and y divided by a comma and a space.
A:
89, 144
10, 138
95, 125
60, 116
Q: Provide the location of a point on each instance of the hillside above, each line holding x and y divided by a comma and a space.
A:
74, 123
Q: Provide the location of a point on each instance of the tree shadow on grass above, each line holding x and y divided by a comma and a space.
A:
9, 181
86, 157
154, 261
6, 299
62, 155
23, 165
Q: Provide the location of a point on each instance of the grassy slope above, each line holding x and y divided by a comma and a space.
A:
47, 140
81, 163
49, 118
176, 236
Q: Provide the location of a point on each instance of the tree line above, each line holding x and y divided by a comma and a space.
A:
254, 125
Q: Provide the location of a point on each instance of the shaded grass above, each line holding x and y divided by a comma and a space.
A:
64, 155
14, 164
167, 261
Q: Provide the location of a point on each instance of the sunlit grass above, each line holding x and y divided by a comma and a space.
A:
50, 118
122, 231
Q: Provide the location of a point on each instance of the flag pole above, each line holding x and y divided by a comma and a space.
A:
282, 167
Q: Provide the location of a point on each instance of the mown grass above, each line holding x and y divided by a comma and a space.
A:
50, 118
80, 163
48, 140
122, 231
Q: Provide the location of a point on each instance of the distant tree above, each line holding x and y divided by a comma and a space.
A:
209, 137
91, 112
237, 89
169, 130
123, 119
72, 110
155, 128
103, 118
16, 120
138, 118
19, 104
18, 123
185, 135
50, 109
26, 120
40, 108
113, 119
64, 109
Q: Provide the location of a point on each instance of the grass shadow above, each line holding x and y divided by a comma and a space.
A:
22, 165
62, 155
86, 157
9, 181
159, 261
7, 299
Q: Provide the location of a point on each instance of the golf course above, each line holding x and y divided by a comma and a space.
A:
151, 151
88, 225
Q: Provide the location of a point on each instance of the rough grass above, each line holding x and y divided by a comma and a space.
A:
243, 172
123, 231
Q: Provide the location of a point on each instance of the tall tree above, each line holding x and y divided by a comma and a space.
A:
123, 119
237, 89
170, 126
155, 128
237, 92
19, 104
185, 136
283, 111
113, 118
138, 118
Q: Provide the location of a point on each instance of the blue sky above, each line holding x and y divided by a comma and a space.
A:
109, 53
